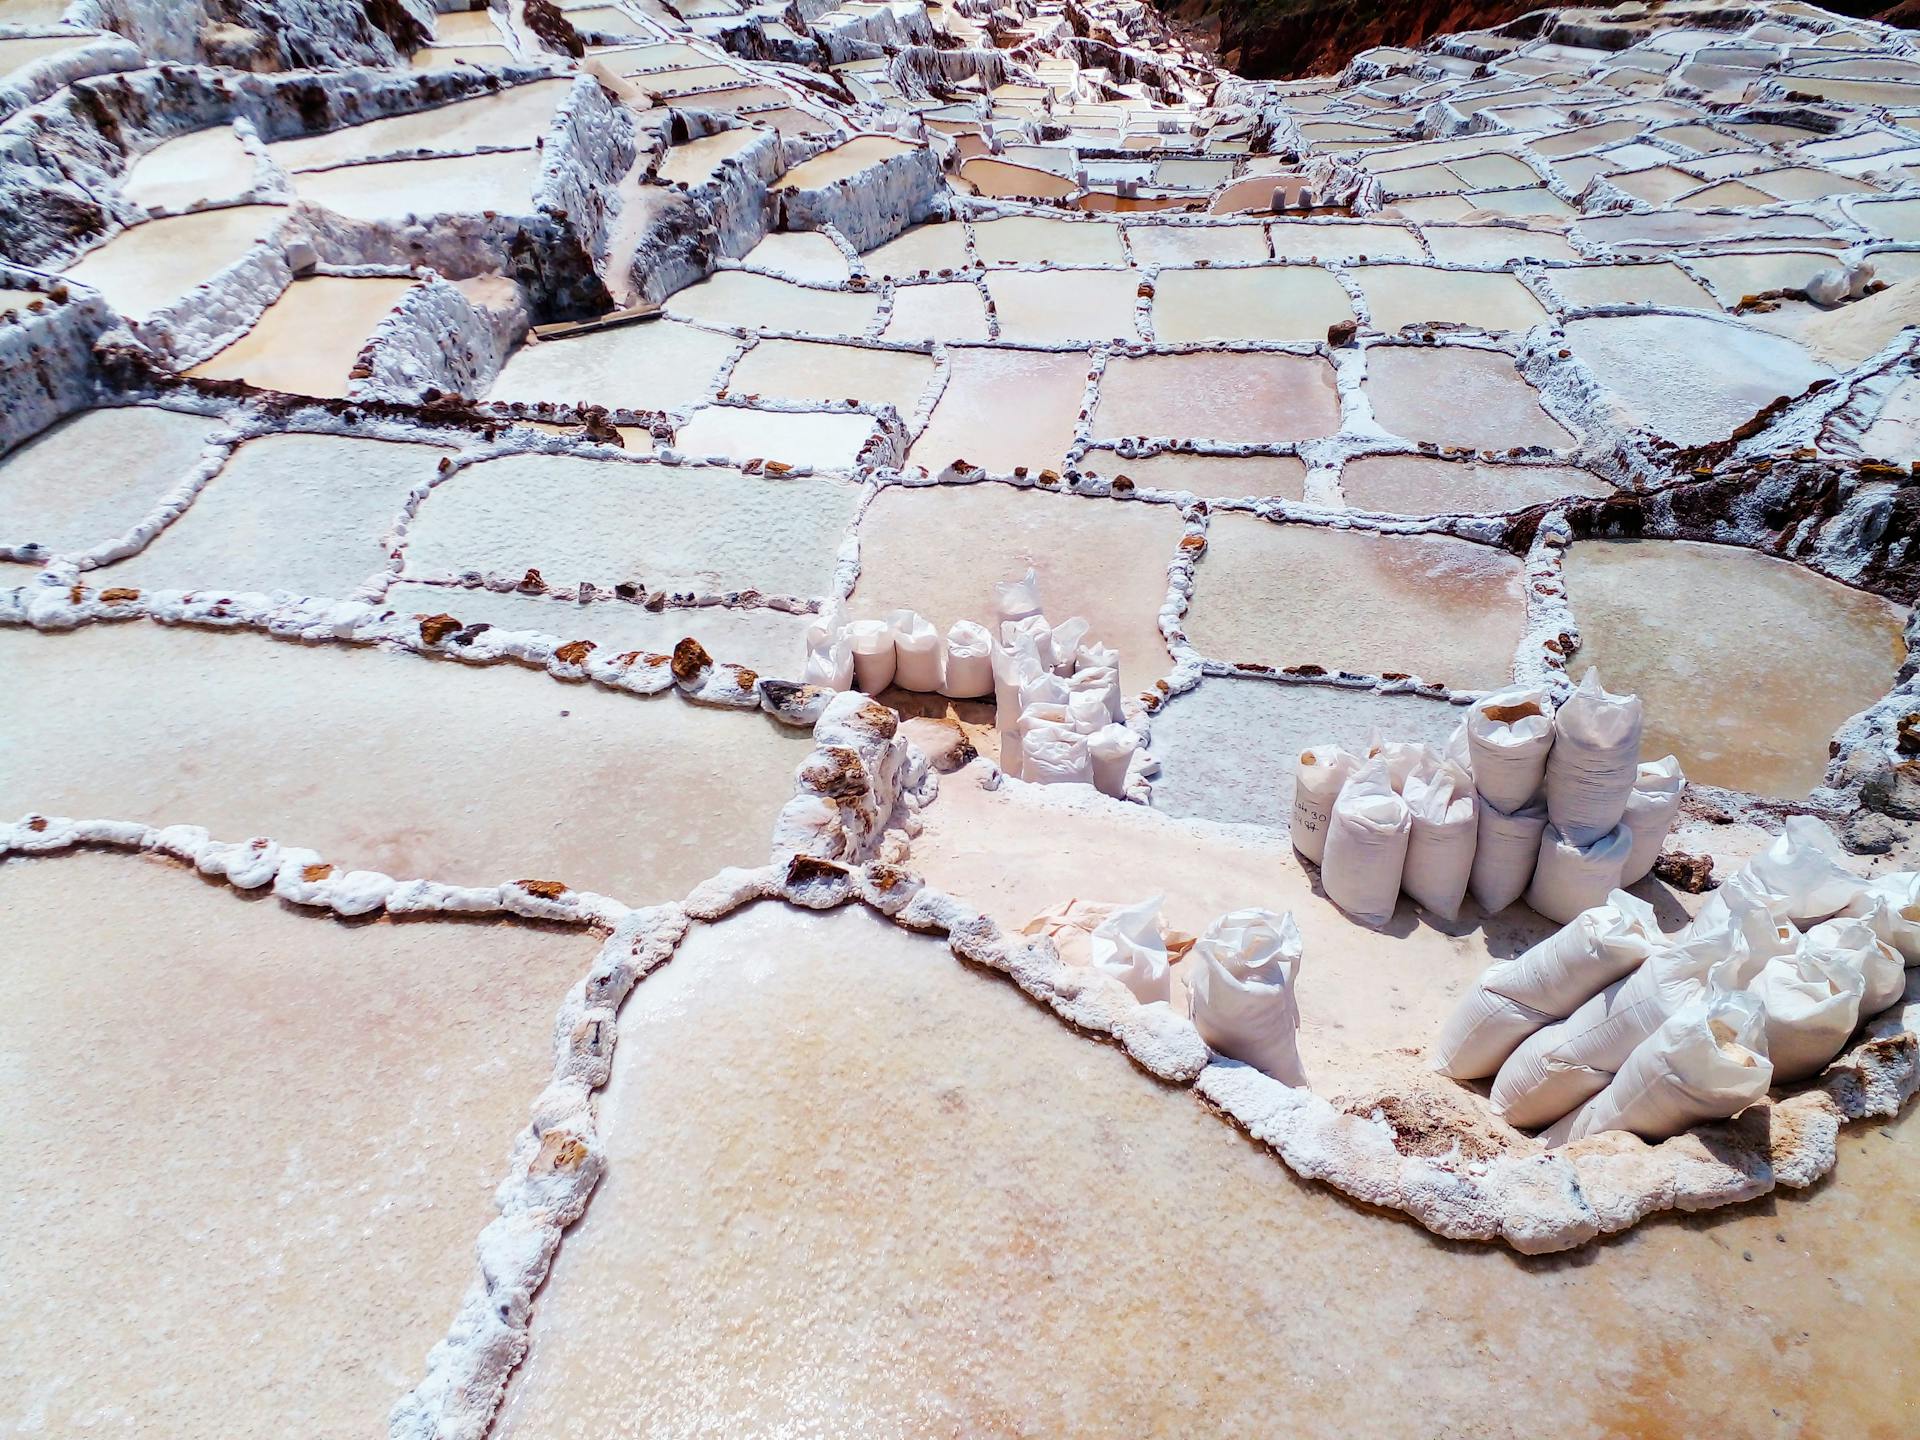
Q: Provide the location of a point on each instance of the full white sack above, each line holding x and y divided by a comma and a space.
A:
1014, 661
1651, 809
1104, 681
872, 655
1594, 760
1043, 688
1064, 643
1241, 988
1403, 758
1745, 907
1055, 755
1518, 996
1563, 1065
1508, 737
829, 660
1366, 846
1891, 904
1803, 866
1017, 599
1317, 777
1570, 878
968, 673
1707, 1061
916, 652
1883, 976
1110, 752
1128, 945
1441, 843
1505, 851
1812, 1000
1013, 738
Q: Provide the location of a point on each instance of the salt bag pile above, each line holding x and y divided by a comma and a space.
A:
1569, 878
1440, 845
1241, 984
1508, 737
1317, 777
1651, 809
1516, 997
1366, 848
1129, 946
1706, 1061
1594, 761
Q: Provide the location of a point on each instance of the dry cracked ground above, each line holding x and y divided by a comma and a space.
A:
461, 978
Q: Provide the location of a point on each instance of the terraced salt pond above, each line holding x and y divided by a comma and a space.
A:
1719, 701
662, 365
92, 478
1221, 395
443, 185
149, 266
1286, 303
308, 339
1003, 409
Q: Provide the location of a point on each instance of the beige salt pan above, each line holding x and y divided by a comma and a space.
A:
308, 339
1289, 302
500, 181
93, 477
514, 116
1004, 408
803, 370
659, 365
148, 267
1457, 396
1217, 395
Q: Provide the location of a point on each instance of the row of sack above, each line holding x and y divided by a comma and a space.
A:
1239, 975
1523, 799
1610, 1024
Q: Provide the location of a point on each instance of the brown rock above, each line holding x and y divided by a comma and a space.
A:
544, 889
436, 628
1691, 873
574, 652
690, 661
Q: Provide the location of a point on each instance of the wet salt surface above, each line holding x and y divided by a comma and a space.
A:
151, 265
1217, 396
1459, 396
93, 477
248, 1147
1419, 485
308, 339
1004, 408
387, 761
660, 365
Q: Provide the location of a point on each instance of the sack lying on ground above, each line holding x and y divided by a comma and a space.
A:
1706, 1061
1569, 878
1516, 997
1506, 850
1742, 905
917, 652
1110, 750
1651, 810
968, 673
1366, 846
1241, 987
1812, 1000
1883, 975
1317, 777
1891, 905
1803, 866
1128, 945
1508, 737
1441, 842
1594, 761
1070, 925
1017, 599
1563, 1065
872, 655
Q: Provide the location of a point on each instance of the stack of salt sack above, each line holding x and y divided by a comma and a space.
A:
1366, 844
1509, 736
1441, 842
1518, 997
1240, 984
1591, 770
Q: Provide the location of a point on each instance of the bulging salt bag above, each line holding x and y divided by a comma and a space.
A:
1516, 997
1440, 845
916, 652
1651, 809
1570, 878
1241, 987
1103, 681
1087, 710
1317, 777
1803, 867
1563, 1065
872, 655
1110, 751
1366, 846
1064, 643
1055, 755
1743, 906
1128, 945
1812, 999
1017, 599
1891, 905
1883, 976
968, 674
1043, 687
1014, 662
1013, 737
829, 659
1504, 854
1594, 760
1401, 757
1508, 737
1707, 1061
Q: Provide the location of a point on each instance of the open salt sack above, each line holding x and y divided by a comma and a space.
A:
1013, 662
1103, 681
1087, 711
916, 652
968, 673
1017, 599
1570, 878
1508, 737
1129, 946
1706, 1061
1403, 758
1013, 738
1092, 655
872, 655
1317, 777
1803, 866
1241, 988
1366, 846
829, 657
1053, 754
1110, 751
1516, 997
1506, 850
1563, 1065
1594, 761
1441, 842
1063, 643
1651, 809
1883, 975
1891, 905
1747, 908
1812, 1000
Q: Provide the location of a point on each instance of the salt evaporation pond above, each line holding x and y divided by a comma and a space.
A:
1747, 664
149, 266
276, 1242
94, 477
308, 339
